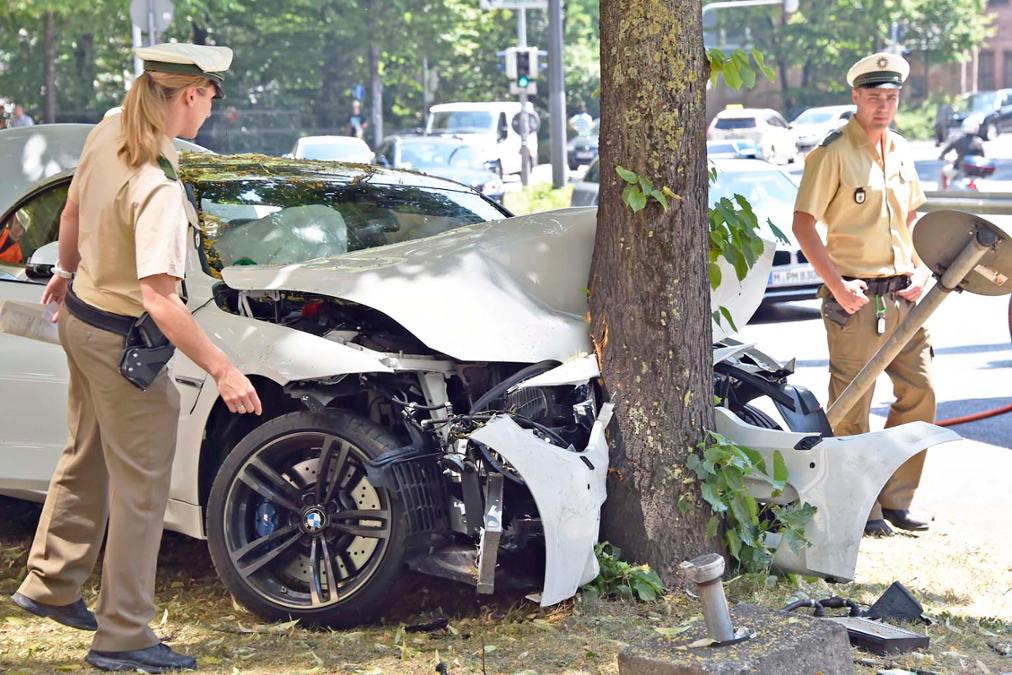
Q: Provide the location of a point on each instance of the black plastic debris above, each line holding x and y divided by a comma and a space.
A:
880, 638
430, 627
897, 603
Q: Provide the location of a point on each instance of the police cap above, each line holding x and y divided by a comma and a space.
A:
883, 70
188, 59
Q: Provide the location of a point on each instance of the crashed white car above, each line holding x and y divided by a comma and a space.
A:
422, 362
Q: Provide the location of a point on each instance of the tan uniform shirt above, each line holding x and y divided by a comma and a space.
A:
133, 222
863, 199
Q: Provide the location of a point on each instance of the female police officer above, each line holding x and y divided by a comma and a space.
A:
123, 239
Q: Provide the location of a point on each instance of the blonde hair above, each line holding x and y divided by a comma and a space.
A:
144, 113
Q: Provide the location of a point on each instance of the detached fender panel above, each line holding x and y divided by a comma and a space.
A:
568, 493
841, 477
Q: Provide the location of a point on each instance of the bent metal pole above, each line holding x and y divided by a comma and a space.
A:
983, 241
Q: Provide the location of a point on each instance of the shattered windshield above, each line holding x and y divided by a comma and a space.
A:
260, 222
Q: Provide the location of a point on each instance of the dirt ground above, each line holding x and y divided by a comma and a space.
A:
965, 590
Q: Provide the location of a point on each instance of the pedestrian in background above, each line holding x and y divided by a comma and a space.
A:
356, 122
861, 183
21, 118
123, 240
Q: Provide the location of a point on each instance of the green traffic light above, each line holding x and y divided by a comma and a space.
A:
523, 81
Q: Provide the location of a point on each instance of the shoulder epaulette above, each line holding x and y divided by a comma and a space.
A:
830, 137
166, 167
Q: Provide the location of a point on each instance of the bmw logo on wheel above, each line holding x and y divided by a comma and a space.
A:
314, 520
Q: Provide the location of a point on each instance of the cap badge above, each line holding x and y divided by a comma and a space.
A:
860, 195
882, 62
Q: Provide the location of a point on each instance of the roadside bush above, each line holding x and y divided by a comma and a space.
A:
918, 122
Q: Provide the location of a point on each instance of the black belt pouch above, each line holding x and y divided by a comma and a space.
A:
145, 352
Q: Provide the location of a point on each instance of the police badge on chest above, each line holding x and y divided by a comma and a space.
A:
860, 195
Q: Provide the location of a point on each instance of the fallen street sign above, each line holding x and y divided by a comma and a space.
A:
513, 4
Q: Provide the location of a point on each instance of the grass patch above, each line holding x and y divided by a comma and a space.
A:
537, 198
504, 634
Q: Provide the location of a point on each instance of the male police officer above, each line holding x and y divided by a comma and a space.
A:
861, 183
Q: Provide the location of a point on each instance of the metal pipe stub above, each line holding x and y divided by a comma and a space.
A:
705, 572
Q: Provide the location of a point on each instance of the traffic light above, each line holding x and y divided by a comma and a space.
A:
523, 68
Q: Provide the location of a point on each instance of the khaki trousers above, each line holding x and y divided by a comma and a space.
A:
851, 346
116, 469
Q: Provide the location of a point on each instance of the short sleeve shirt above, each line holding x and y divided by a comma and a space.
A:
133, 222
863, 200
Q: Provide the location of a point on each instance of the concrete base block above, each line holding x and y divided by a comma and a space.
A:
782, 644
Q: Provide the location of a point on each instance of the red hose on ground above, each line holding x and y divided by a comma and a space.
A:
993, 412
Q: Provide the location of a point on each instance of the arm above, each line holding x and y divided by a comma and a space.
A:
173, 318
921, 274
69, 257
850, 294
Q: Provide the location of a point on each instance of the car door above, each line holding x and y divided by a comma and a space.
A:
33, 368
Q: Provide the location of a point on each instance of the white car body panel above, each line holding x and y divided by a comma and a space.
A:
568, 493
847, 476
521, 279
577, 371
740, 298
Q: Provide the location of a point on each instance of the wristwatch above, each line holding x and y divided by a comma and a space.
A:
62, 273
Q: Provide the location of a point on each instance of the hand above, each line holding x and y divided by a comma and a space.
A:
918, 280
851, 295
238, 392
56, 291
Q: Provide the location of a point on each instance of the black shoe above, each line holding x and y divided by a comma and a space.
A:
878, 528
902, 519
157, 659
75, 615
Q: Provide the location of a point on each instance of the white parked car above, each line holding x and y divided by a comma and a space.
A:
771, 192
489, 127
814, 124
332, 148
764, 126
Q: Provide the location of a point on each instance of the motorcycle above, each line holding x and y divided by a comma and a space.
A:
971, 168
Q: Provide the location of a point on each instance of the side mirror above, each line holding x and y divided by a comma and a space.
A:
381, 160
40, 264
502, 135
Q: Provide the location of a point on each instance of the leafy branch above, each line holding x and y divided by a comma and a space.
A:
619, 578
722, 467
737, 68
639, 189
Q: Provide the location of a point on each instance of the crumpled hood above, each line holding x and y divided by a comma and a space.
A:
510, 290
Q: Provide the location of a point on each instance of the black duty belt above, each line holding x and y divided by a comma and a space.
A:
99, 318
884, 285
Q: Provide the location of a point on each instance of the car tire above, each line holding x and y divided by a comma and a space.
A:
267, 491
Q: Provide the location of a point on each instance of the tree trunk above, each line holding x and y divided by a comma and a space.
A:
649, 290
49, 68
376, 87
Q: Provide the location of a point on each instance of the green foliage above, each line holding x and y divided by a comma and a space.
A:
722, 468
536, 198
621, 579
737, 67
639, 189
918, 122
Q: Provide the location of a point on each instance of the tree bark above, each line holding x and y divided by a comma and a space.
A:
649, 289
49, 68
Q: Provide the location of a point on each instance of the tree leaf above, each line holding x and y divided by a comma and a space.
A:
711, 527
714, 270
779, 467
626, 175
634, 198
712, 498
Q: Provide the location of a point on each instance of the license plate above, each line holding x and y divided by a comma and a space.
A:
795, 276
585, 155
